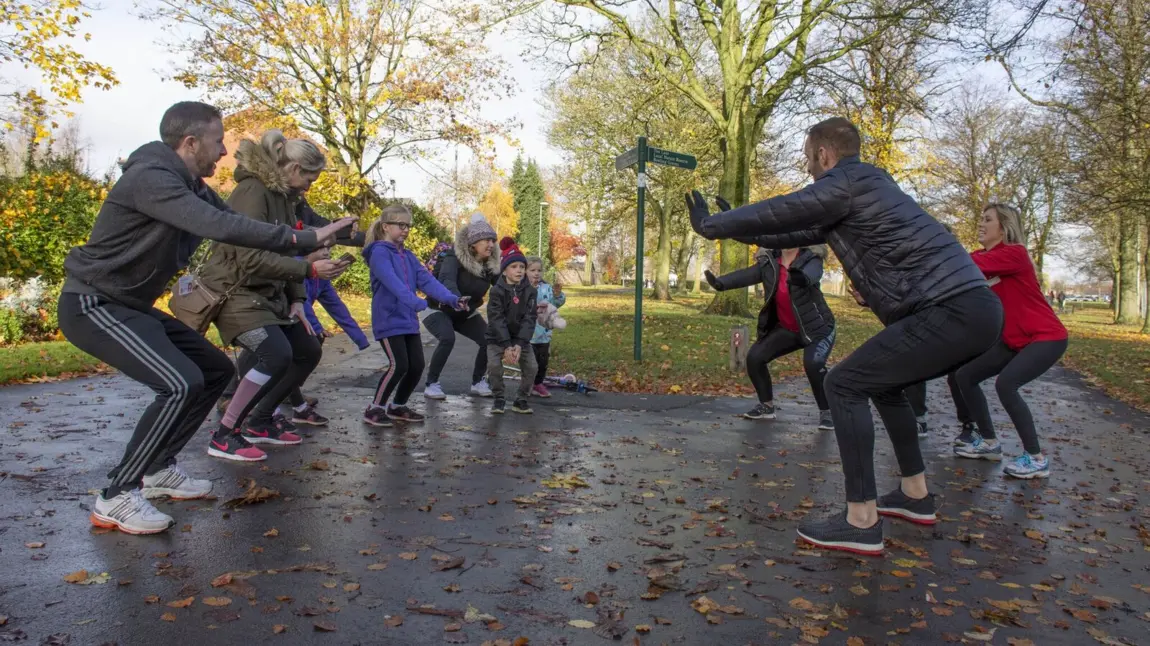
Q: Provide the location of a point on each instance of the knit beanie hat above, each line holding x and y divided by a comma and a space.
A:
478, 229
510, 253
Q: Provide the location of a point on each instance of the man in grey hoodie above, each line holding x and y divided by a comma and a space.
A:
149, 226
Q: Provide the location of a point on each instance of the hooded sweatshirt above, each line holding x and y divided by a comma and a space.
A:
151, 223
395, 275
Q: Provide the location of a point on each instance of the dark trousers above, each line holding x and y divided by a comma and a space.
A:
917, 395
542, 358
779, 342
1014, 370
287, 354
443, 328
184, 369
248, 360
919, 347
405, 356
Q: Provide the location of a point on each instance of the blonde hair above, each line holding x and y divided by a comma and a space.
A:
375, 231
1011, 222
300, 151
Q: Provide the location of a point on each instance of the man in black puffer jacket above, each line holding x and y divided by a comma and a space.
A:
919, 281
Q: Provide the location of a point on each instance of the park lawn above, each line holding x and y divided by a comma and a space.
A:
684, 350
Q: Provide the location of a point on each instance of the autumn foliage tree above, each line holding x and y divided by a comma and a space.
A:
498, 206
564, 244
35, 34
371, 79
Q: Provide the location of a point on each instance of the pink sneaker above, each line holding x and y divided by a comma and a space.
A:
540, 390
235, 447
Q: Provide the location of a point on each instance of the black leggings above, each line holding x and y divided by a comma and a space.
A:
921, 346
405, 354
286, 353
542, 358
917, 396
1014, 370
779, 342
444, 327
246, 361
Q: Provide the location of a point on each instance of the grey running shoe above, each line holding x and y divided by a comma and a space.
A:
835, 533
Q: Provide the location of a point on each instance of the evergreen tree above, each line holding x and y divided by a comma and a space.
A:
527, 187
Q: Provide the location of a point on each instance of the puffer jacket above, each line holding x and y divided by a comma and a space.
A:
816, 321
899, 257
269, 282
465, 275
511, 314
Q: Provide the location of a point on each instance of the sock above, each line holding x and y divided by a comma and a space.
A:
247, 390
301, 408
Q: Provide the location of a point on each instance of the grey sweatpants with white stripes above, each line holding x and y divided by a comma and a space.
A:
184, 369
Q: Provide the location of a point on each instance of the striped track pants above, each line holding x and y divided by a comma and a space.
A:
186, 372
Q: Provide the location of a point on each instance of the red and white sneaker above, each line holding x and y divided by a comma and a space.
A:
234, 447
539, 390
277, 431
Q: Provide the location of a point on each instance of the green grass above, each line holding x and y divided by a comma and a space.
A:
684, 350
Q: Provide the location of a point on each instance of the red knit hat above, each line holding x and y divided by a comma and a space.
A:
509, 253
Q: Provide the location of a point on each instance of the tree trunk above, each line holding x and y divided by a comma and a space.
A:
734, 186
1126, 292
700, 258
682, 260
662, 252
589, 265
1146, 278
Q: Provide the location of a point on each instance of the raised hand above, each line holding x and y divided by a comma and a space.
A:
697, 208
328, 269
714, 282
722, 204
325, 236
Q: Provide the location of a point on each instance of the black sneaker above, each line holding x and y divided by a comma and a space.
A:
922, 429
520, 406
835, 533
897, 504
277, 431
826, 423
404, 414
762, 411
498, 405
309, 416
966, 437
376, 416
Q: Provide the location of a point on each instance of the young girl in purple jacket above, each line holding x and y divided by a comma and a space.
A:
395, 275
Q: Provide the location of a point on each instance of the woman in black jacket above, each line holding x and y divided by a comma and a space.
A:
795, 316
469, 270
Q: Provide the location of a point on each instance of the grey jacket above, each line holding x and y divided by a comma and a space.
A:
150, 225
899, 258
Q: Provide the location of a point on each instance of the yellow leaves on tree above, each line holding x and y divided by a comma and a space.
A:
34, 35
42, 216
369, 79
498, 207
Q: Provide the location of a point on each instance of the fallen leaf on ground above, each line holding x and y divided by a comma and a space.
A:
181, 603
324, 627
394, 621
614, 565
564, 481
350, 587
704, 605
446, 517
168, 616
76, 577
454, 587
581, 623
859, 590
453, 628
450, 564
642, 629
272, 533
34, 546
855, 641
252, 494
279, 628
216, 601
377, 566
409, 556
799, 603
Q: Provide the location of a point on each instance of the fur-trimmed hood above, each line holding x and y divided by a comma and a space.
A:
253, 161
467, 257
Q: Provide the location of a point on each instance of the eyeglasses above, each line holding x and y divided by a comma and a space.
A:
402, 225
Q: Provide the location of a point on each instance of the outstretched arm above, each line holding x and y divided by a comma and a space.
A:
816, 206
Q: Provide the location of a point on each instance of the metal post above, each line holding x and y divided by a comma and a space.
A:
642, 181
539, 249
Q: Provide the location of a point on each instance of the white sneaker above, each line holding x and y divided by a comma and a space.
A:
173, 482
434, 391
130, 512
481, 389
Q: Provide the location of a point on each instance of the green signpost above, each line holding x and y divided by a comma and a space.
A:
641, 154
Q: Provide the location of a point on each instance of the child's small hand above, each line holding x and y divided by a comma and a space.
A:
461, 304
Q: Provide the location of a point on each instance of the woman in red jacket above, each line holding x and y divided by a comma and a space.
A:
1033, 339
